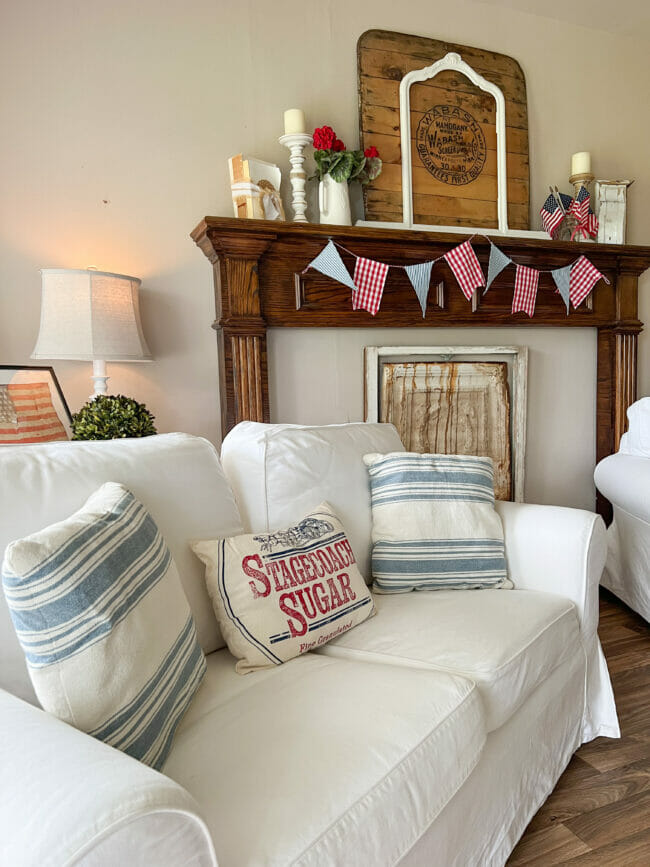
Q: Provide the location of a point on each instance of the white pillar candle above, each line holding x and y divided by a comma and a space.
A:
581, 163
294, 121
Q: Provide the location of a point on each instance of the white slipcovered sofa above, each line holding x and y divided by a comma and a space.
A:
428, 735
624, 478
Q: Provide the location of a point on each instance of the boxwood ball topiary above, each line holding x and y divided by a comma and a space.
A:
112, 416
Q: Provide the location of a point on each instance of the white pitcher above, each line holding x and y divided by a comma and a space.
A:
334, 202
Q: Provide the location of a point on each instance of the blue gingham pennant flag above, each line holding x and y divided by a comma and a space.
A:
420, 275
562, 277
498, 261
329, 263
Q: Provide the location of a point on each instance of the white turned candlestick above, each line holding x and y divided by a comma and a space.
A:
296, 143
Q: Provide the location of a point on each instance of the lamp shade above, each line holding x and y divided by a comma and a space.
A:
89, 315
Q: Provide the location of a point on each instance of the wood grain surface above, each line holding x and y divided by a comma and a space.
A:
452, 408
383, 59
599, 812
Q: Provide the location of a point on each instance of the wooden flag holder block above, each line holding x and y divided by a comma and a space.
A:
611, 199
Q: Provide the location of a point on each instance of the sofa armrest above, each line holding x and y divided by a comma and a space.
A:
66, 798
556, 550
625, 481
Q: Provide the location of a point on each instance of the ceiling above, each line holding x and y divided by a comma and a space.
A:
621, 17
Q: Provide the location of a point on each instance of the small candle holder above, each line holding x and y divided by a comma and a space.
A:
582, 180
296, 143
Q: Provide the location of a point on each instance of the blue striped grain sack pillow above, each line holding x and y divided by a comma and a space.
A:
434, 523
108, 635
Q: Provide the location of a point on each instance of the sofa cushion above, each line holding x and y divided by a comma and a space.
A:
277, 595
433, 523
177, 477
280, 472
107, 632
507, 643
636, 441
324, 761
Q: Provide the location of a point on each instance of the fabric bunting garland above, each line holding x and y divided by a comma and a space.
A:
526, 281
498, 261
583, 277
329, 263
574, 282
420, 276
561, 277
466, 267
369, 279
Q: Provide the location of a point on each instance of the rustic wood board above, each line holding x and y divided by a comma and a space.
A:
384, 58
457, 408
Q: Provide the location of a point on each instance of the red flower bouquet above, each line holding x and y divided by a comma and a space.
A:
333, 159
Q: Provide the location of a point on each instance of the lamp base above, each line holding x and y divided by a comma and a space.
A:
99, 379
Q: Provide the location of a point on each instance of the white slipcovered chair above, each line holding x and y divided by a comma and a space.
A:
624, 478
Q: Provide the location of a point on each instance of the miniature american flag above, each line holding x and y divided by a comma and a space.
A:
583, 277
579, 207
526, 280
466, 268
551, 214
592, 224
369, 280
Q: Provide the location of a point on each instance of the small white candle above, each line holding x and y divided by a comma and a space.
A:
294, 121
581, 163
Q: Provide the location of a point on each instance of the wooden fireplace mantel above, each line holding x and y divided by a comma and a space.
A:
258, 284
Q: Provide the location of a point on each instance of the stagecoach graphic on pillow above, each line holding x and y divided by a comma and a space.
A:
295, 537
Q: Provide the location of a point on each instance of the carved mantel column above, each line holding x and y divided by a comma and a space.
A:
240, 326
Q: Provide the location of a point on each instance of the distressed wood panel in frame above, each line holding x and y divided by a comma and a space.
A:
383, 59
452, 408
511, 453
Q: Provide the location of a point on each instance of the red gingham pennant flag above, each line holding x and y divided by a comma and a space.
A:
582, 279
467, 270
526, 280
369, 279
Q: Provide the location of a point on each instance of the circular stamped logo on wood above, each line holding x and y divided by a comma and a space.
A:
451, 145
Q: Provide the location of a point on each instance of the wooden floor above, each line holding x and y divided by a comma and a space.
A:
599, 812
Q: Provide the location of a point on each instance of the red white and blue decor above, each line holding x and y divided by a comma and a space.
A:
574, 282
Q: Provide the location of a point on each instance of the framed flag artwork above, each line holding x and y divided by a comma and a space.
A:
33, 408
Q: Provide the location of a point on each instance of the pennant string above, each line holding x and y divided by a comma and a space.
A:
573, 281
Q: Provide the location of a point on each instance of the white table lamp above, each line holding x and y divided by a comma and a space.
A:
90, 316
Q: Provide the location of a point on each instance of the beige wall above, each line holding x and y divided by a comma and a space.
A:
117, 120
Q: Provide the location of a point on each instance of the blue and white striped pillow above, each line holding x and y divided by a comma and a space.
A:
108, 635
434, 523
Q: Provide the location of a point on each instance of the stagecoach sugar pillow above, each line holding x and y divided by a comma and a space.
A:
108, 634
434, 525
277, 595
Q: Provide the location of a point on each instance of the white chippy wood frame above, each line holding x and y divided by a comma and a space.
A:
516, 356
452, 61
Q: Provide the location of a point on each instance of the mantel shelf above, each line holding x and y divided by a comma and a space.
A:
259, 283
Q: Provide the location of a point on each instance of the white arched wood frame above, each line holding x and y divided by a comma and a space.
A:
451, 61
